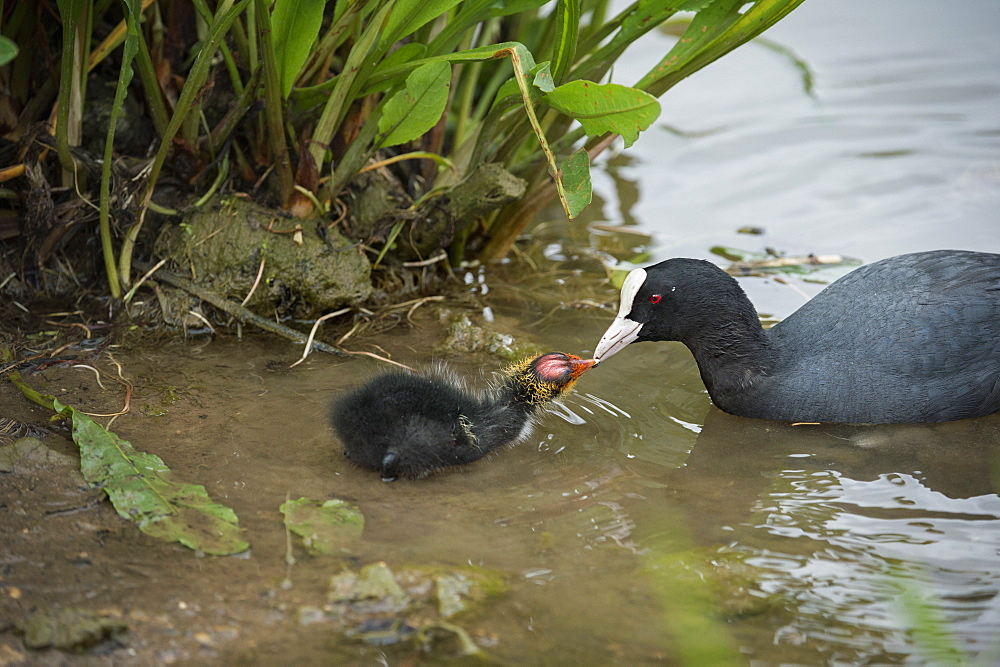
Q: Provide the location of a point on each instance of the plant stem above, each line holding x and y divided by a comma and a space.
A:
192, 87
43, 400
360, 58
272, 101
72, 77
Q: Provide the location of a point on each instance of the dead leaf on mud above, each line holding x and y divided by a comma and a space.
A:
140, 490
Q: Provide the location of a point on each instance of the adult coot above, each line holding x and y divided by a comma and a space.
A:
409, 425
913, 338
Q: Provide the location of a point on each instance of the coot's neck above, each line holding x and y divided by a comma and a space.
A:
733, 352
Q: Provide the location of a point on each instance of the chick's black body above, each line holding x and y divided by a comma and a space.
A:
409, 425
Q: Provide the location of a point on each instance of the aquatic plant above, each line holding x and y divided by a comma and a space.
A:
318, 99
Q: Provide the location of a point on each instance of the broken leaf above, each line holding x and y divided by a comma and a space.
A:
138, 486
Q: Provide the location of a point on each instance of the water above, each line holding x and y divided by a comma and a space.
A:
636, 506
897, 150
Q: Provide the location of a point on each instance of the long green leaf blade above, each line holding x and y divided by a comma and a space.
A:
295, 25
129, 50
567, 36
472, 13
408, 16
716, 30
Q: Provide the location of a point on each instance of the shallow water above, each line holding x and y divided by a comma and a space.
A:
804, 540
636, 508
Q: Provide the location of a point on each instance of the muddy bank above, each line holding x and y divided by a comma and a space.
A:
267, 262
77, 579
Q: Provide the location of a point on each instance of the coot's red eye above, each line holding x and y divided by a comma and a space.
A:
655, 298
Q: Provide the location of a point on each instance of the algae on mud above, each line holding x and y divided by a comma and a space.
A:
223, 245
72, 630
323, 526
380, 606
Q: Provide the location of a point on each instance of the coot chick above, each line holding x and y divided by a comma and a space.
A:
913, 338
409, 425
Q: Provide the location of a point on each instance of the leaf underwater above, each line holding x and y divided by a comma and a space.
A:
323, 527
137, 486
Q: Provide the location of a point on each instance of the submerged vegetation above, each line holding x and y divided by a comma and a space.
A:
400, 130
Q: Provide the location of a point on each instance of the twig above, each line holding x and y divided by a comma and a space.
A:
427, 262
289, 553
419, 303
388, 361
145, 277
195, 314
340, 341
239, 312
312, 333
343, 213
801, 292
96, 372
256, 282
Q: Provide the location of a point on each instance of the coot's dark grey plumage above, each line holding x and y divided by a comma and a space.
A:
409, 425
913, 338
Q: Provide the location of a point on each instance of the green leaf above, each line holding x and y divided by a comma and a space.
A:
541, 77
408, 16
8, 50
295, 26
129, 50
404, 54
417, 107
474, 12
138, 487
575, 175
323, 527
607, 107
567, 14
718, 28
599, 52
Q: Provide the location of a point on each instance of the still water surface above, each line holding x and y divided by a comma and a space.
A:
809, 544
896, 149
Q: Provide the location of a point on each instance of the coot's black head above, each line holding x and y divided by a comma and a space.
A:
679, 299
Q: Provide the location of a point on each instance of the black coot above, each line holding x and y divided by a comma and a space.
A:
913, 338
408, 425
